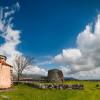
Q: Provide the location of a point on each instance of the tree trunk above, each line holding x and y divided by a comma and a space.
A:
18, 78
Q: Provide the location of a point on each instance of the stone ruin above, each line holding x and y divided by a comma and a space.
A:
57, 86
55, 75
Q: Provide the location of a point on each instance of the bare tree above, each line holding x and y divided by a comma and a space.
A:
21, 63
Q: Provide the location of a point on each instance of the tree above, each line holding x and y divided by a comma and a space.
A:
21, 63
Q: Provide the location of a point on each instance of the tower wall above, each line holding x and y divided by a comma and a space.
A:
55, 75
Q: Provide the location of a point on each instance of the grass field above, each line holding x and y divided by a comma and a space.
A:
23, 92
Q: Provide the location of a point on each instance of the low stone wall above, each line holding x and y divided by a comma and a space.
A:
57, 86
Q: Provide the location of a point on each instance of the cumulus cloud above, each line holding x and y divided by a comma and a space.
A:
11, 37
86, 56
68, 56
35, 70
91, 74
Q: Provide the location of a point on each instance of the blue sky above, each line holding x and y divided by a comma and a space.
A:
48, 27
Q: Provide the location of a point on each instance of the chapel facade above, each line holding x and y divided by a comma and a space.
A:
5, 73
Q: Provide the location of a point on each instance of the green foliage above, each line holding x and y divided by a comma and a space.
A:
24, 92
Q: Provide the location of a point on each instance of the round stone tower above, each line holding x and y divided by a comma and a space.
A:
55, 75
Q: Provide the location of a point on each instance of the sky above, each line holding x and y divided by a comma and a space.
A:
57, 33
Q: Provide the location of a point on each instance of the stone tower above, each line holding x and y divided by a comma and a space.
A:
55, 75
5, 73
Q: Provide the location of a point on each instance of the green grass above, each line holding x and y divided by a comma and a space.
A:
23, 92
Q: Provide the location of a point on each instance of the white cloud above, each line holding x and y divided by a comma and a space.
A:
68, 56
35, 70
87, 54
12, 37
91, 74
